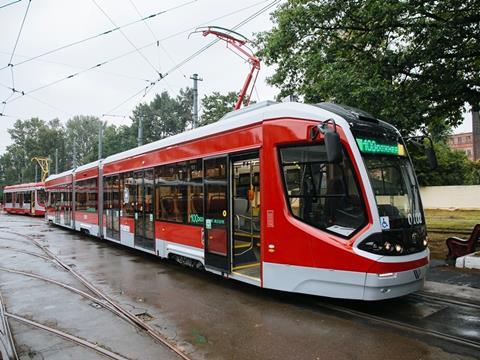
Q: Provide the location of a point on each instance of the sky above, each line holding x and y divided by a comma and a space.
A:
51, 24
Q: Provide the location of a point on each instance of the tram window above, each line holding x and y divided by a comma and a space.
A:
128, 200
115, 195
107, 203
27, 196
179, 192
41, 196
319, 193
8, 198
86, 195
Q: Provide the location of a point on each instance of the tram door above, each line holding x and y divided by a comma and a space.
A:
144, 214
33, 202
111, 199
246, 215
57, 204
216, 211
67, 207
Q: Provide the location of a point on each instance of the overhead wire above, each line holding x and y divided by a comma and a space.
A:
149, 87
77, 67
10, 3
100, 64
19, 32
98, 35
158, 43
16, 43
126, 37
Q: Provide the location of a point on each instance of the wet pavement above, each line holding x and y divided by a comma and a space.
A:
206, 316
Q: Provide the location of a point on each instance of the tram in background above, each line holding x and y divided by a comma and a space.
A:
317, 199
25, 199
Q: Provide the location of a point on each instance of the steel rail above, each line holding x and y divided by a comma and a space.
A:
401, 325
67, 336
26, 252
9, 352
63, 285
444, 299
137, 321
100, 302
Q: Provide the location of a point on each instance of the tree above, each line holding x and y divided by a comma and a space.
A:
412, 63
454, 168
82, 131
216, 105
31, 138
164, 115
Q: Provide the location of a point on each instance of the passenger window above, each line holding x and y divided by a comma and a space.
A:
128, 198
322, 194
179, 192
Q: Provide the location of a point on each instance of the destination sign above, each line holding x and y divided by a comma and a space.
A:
371, 146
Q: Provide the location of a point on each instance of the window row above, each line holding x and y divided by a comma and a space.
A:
24, 197
86, 195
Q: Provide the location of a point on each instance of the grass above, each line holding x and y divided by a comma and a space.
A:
442, 224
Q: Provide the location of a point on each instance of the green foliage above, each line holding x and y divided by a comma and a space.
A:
454, 168
411, 63
164, 116
30, 138
217, 105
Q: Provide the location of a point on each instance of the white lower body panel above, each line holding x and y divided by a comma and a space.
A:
341, 284
92, 229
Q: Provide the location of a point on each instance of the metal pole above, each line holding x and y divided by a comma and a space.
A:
56, 161
100, 139
74, 160
195, 79
140, 131
36, 172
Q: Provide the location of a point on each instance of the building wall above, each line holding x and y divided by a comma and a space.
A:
463, 142
465, 197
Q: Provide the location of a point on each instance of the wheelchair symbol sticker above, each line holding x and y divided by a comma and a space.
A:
385, 222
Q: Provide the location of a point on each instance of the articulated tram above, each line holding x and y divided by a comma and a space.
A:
316, 199
25, 199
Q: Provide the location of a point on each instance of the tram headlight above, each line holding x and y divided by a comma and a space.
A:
398, 248
387, 246
425, 242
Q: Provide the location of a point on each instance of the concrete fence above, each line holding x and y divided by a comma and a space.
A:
465, 197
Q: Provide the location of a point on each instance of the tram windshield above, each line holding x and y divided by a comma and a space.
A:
322, 194
394, 184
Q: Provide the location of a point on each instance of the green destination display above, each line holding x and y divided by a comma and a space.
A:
371, 146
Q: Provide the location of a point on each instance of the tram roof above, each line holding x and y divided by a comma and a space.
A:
250, 115
26, 186
57, 176
90, 165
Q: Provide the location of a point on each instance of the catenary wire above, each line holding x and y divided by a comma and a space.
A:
98, 65
126, 37
10, 3
149, 87
97, 35
19, 33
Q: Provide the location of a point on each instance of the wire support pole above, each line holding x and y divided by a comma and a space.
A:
140, 131
195, 79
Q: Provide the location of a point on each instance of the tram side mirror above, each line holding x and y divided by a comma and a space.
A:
431, 158
333, 147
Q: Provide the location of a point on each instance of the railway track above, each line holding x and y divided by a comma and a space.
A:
98, 297
352, 311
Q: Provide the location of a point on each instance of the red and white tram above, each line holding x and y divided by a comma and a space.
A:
25, 199
316, 199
